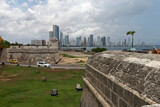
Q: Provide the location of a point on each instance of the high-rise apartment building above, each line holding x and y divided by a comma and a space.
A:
56, 31
91, 40
103, 40
67, 40
98, 43
79, 41
125, 42
61, 39
129, 41
85, 42
50, 35
108, 41
88, 42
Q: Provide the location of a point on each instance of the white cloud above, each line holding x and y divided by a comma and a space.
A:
75, 17
30, 0
25, 4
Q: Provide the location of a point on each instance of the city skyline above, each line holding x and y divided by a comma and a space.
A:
25, 20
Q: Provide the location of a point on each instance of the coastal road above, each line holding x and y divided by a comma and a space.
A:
54, 66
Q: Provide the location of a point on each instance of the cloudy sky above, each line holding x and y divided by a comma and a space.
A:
24, 20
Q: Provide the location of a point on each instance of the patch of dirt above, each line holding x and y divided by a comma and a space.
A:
73, 61
7, 78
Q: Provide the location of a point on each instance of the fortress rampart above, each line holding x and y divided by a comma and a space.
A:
32, 54
121, 79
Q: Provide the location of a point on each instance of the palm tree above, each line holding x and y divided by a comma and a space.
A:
131, 33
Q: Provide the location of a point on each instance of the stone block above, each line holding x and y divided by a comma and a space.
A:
118, 90
107, 92
122, 103
108, 83
128, 97
138, 102
156, 95
114, 99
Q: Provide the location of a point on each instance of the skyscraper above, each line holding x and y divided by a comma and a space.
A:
67, 40
50, 34
84, 42
79, 41
125, 42
103, 40
56, 31
108, 41
98, 41
88, 44
91, 40
61, 39
129, 42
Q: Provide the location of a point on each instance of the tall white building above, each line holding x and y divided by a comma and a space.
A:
50, 35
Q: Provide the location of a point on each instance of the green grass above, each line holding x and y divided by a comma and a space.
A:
82, 62
69, 56
22, 87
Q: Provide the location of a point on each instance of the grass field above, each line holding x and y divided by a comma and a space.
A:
22, 87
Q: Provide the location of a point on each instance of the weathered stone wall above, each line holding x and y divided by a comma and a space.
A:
123, 79
0, 53
31, 54
4, 55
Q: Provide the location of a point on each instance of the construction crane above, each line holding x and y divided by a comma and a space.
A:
155, 51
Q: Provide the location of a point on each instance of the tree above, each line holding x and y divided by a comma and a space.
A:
131, 33
5, 44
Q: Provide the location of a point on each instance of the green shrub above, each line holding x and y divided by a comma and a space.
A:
98, 50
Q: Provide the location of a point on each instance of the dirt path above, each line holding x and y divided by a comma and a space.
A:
79, 58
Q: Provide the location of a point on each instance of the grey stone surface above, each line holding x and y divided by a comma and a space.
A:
139, 72
88, 99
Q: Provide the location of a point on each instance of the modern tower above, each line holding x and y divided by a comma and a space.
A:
85, 42
98, 41
67, 40
108, 41
103, 40
91, 40
79, 41
129, 41
61, 39
56, 31
50, 34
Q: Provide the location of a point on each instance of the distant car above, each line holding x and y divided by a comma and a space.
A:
43, 64
14, 61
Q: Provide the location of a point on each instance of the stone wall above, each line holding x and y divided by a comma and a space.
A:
122, 79
32, 54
